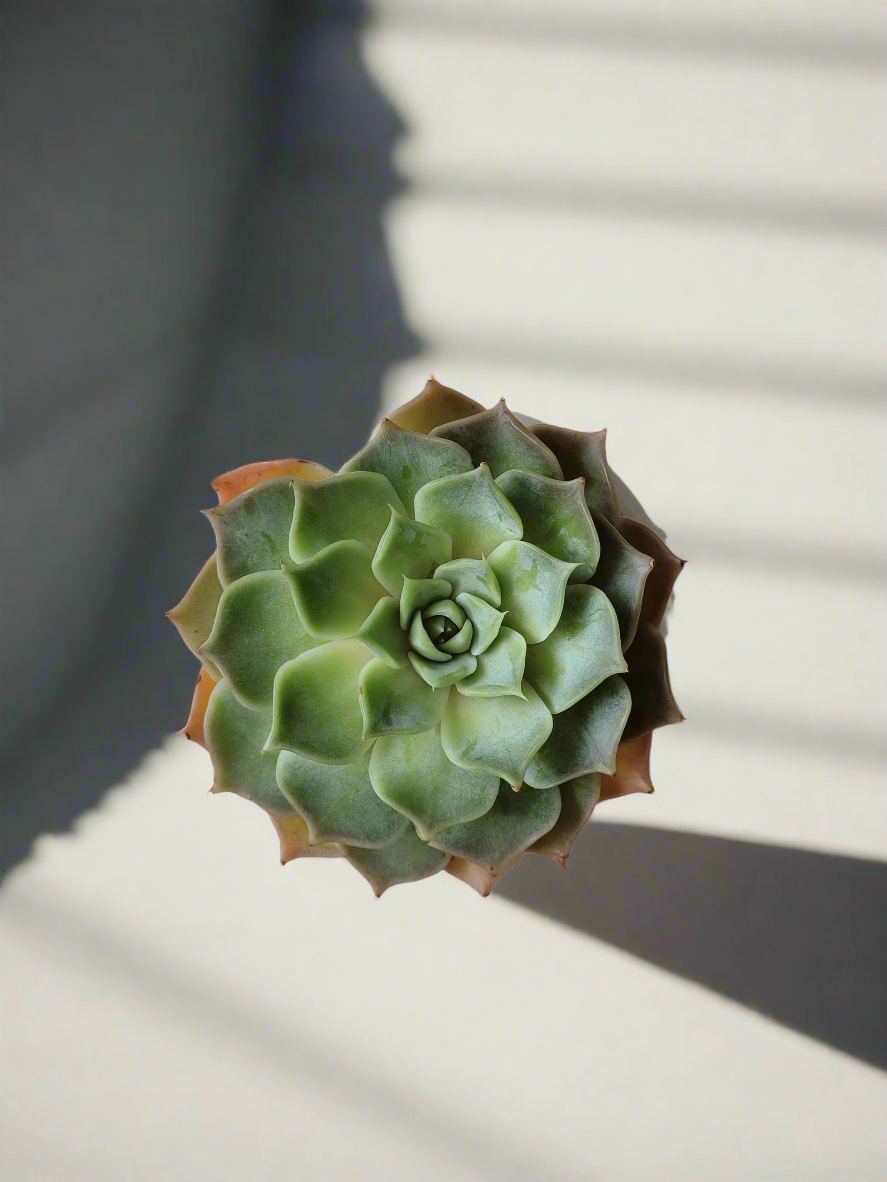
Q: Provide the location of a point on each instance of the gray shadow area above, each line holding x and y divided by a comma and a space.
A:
204, 299
795, 935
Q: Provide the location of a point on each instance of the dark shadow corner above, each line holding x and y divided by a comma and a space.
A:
286, 352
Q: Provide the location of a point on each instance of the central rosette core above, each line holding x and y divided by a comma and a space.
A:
441, 631
451, 620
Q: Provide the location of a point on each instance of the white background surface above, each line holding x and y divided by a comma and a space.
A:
683, 246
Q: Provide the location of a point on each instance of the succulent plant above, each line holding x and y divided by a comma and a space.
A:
439, 658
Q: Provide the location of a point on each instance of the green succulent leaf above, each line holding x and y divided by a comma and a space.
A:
335, 589
382, 634
622, 574
436, 404
472, 509
652, 702
414, 776
471, 576
533, 585
234, 736
195, 614
409, 459
580, 653
513, 823
461, 642
338, 802
555, 518
584, 738
408, 859
422, 643
578, 799
497, 735
661, 579
500, 669
316, 709
418, 593
438, 676
485, 621
355, 506
257, 630
409, 549
495, 437
583, 453
397, 701
445, 608
252, 529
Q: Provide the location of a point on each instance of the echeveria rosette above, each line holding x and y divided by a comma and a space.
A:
442, 656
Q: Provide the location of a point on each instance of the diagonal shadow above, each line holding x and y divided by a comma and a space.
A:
794, 934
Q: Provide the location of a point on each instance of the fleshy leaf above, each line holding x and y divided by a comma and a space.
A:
652, 702
497, 735
472, 875
472, 576
555, 518
472, 509
409, 549
584, 738
578, 799
231, 484
500, 670
495, 437
422, 643
583, 453
257, 630
533, 586
667, 567
335, 590
195, 614
355, 506
383, 635
435, 405
193, 728
397, 701
409, 459
485, 620
414, 776
445, 608
338, 801
583, 649
632, 769
316, 704
234, 738
622, 573
292, 833
408, 859
438, 676
461, 642
418, 593
252, 530
495, 840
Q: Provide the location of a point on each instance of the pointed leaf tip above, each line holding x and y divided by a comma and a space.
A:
433, 407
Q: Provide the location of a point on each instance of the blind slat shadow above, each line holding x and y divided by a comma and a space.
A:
717, 373
796, 935
773, 44
767, 212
